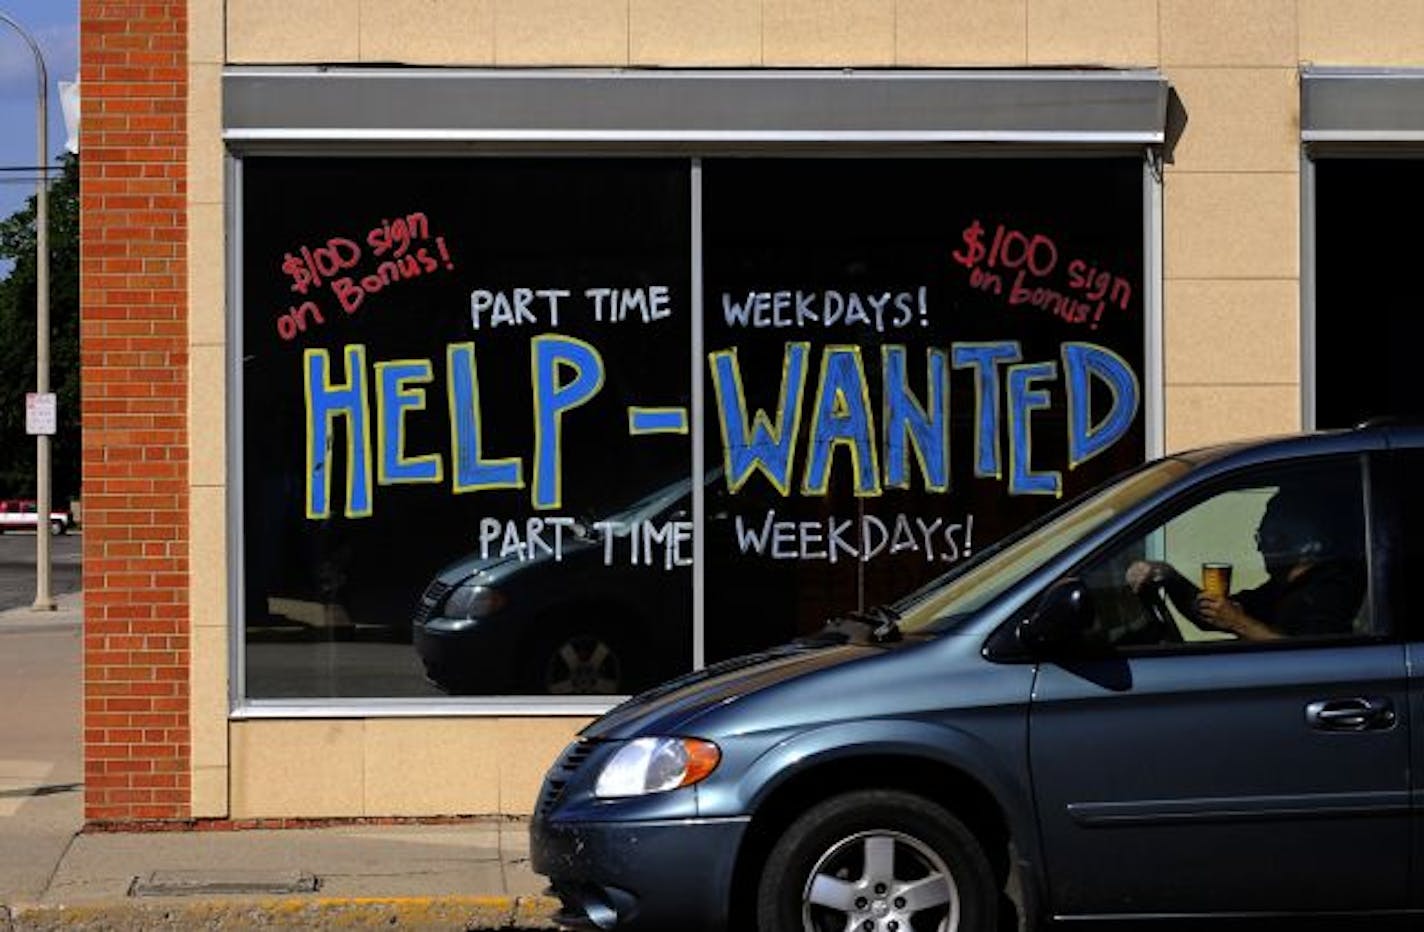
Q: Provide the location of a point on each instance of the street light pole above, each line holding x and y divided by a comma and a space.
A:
44, 601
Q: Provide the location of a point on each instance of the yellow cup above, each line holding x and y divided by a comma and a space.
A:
1216, 579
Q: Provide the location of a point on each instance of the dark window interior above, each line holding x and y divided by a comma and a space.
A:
1004, 288
1367, 325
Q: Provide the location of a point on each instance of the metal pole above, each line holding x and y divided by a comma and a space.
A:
44, 601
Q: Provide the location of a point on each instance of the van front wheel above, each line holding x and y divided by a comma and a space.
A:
880, 860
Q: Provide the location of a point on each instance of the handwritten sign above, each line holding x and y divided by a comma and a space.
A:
342, 270
568, 373
1020, 268
519, 307
881, 311
898, 362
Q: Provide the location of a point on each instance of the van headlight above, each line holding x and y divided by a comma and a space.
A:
470, 600
655, 765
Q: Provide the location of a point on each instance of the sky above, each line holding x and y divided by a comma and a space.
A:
54, 24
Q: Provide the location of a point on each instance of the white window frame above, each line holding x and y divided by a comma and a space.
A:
407, 112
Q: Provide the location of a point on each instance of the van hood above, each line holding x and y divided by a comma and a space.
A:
667, 709
494, 569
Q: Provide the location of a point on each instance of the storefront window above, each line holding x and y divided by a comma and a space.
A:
1364, 335
467, 414
460, 375
943, 348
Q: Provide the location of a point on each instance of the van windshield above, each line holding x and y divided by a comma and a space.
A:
969, 588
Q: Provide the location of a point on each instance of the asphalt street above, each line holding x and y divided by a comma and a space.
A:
17, 566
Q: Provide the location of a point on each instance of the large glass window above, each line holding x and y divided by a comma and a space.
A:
463, 379
940, 351
1365, 333
468, 418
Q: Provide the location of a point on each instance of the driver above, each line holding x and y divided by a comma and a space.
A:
1315, 587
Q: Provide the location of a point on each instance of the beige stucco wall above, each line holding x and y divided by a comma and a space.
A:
1231, 239
392, 767
207, 387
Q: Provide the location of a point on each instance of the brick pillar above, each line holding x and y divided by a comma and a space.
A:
134, 358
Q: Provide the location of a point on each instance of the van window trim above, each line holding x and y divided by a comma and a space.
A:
1369, 463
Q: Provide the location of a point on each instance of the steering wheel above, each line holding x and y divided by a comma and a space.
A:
1152, 594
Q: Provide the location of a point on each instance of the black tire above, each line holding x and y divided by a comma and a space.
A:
57, 528
857, 840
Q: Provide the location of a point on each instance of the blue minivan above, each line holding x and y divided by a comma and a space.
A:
1187, 694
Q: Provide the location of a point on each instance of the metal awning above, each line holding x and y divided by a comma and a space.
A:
439, 105
1362, 105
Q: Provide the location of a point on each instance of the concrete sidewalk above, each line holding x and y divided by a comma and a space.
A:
55, 875
465, 876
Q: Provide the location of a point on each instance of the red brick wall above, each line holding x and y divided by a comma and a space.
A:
134, 351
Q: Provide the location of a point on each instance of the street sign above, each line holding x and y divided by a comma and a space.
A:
40, 413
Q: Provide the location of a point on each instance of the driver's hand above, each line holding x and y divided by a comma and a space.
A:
1223, 614
1142, 572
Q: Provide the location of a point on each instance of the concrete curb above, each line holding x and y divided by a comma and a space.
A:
455, 913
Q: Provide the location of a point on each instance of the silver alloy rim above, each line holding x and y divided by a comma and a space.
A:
584, 665
879, 899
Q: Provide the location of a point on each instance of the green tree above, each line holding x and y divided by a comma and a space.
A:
17, 339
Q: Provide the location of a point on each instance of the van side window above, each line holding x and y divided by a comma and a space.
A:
1404, 541
1273, 554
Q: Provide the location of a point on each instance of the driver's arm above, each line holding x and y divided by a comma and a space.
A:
1235, 617
1179, 589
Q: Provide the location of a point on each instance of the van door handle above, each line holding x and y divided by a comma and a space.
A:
1355, 714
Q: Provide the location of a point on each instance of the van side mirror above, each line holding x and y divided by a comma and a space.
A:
1063, 615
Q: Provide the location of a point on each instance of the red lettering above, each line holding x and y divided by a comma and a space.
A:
1012, 249
998, 243
1014, 236
398, 234
294, 321
1042, 255
1034, 257
301, 274
287, 327
1121, 292
336, 255
985, 281
336, 263
348, 293
1018, 294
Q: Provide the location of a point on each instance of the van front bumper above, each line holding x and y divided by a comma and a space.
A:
650, 875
